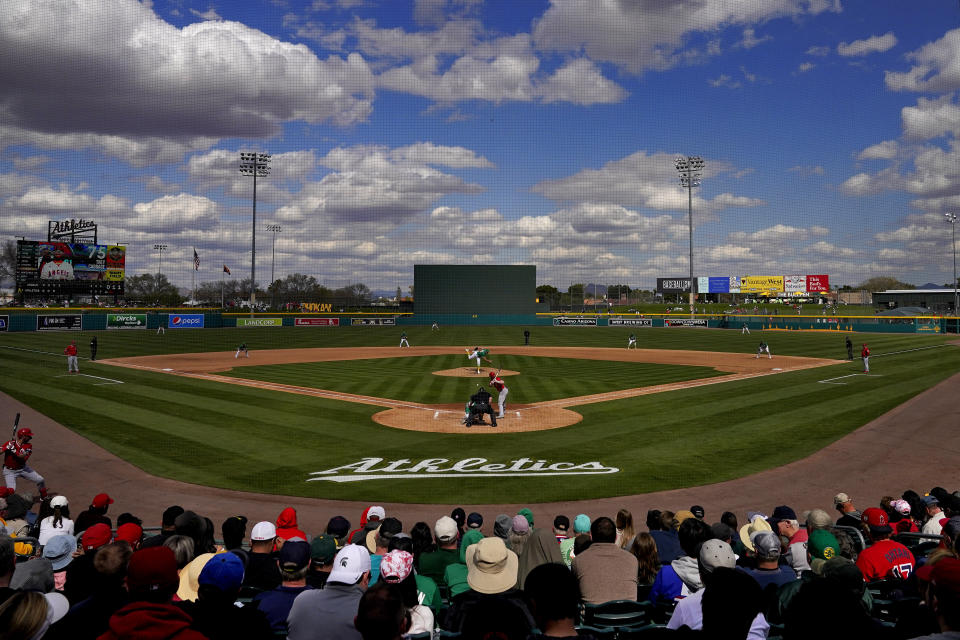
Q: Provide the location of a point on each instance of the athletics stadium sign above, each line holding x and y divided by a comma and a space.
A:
379, 469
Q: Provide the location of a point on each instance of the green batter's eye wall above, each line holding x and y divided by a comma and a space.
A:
474, 289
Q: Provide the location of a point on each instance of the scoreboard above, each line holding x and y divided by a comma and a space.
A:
61, 268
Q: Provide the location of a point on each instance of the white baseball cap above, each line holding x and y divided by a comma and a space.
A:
58, 501
350, 563
263, 531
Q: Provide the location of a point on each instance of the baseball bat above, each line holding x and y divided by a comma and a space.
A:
16, 423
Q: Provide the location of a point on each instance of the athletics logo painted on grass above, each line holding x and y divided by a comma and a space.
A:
370, 469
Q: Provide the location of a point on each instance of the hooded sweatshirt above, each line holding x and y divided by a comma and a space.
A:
287, 525
150, 621
677, 580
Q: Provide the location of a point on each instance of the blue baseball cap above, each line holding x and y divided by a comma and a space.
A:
223, 571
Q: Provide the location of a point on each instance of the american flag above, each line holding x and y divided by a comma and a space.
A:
225, 270
196, 261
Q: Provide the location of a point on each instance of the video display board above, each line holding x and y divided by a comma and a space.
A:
62, 268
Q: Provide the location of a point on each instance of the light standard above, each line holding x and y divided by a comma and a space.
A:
952, 219
275, 228
689, 169
257, 165
159, 247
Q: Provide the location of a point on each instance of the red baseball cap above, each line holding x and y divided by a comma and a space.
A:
101, 500
96, 536
129, 532
946, 574
152, 569
877, 520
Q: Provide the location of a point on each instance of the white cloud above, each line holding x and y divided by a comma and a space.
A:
931, 118
873, 44
936, 68
886, 150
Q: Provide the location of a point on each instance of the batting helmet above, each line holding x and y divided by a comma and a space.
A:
24, 433
493, 375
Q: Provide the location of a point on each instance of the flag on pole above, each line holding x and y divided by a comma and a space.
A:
225, 270
196, 260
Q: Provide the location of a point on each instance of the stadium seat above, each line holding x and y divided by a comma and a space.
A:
600, 633
616, 613
643, 632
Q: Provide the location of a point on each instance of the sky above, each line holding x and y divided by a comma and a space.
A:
537, 132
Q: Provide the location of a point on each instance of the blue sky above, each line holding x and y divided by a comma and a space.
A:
498, 132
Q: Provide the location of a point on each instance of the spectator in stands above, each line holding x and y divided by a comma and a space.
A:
234, 530
182, 547
59, 551
261, 572
189, 588
755, 522
8, 561
455, 575
501, 527
339, 528
427, 590
151, 582
554, 599
665, 535
80, 579
474, 521
849, 516
581, 526
681, 577
540, 547
15, 515
378, 543
323, 549
369, 520
561, 528
945, 598
460, 517
131, 533
492, 576
434, 563
732, 606
768, 570
328, 613
818, 519
214, 613
190, 524
89, 618
884, 558
625, 531
167, 528
729, 518
698, 512
714, 554
28, 614
822, 548
396, 568
294, 563
932, 525
784, 523
96, 512
422, 538
381, 614
604, 571
899, 513
644, 549
58, 522
287, 525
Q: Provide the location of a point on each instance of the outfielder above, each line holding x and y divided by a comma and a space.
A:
242, 349
403, 340
71, 353
435, 326
497, 383
745, 330
15, 455
632, 341
764, 348
865, 354
478, 354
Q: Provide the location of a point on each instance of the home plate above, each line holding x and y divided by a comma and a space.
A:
166, 369
435, 414
776, 369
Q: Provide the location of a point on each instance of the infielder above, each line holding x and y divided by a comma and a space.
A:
478, 354
497, 383
745, 330
865, 354
764, 348
242, 349
632, 341
435, 326
15, 455
71, 353
403, 340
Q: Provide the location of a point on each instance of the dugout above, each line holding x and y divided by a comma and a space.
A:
475, 290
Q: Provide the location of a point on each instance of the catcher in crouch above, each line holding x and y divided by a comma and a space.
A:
479, 404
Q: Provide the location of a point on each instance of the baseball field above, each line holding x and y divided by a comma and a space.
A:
343, 413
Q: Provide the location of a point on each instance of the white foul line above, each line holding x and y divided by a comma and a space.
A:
87, 375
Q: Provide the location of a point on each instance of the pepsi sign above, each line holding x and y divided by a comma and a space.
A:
185, 321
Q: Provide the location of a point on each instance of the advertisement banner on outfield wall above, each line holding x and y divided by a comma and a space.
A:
703, 284
630, 322
818, 283
574, 322
673, 285
126, 321
373, 321
61, 322
185, 321
795, 284
316, 322
685, 322
718, 285
754, 284
734, 286
4, 322
259, 322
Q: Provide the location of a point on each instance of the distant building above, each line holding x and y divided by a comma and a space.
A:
938, 300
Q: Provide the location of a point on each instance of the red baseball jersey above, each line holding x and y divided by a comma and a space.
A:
865, 353
71, 350
15, 454
886, 559
497, 384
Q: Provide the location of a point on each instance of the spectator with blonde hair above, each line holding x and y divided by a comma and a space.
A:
624, 529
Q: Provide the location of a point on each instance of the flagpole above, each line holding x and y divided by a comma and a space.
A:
193, 283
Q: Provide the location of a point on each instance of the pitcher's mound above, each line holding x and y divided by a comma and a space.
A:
449, 419
471, 372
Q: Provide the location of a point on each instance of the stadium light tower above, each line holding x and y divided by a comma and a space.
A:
160, 248
689, 168
275, 228
952, 219
254, 164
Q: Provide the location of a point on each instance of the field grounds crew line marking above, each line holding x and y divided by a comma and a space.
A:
893, 353
87, 375
46, 353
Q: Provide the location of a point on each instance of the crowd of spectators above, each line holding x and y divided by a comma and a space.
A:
888, 571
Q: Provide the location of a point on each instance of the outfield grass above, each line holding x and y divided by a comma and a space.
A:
210, 433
